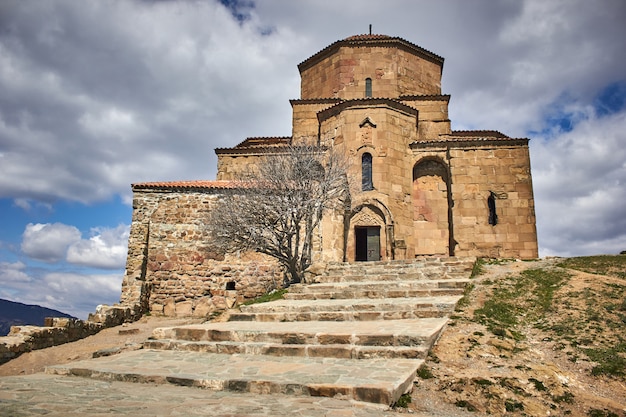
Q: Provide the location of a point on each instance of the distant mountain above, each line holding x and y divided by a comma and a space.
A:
16, 314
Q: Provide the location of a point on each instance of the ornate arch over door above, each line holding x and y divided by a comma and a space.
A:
369, 233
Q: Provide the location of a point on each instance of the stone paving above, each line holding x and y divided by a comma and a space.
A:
353, 365
381, 381
359, 309
56, 396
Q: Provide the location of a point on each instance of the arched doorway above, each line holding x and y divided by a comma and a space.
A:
366, 243
432, 208
369, 233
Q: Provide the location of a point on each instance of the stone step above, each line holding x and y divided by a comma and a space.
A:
412, 332
338, 315
431, 274
440, 265
374, 285
37, 395
276, 349
380, 381
376, 289
348, 309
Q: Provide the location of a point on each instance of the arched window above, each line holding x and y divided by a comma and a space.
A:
368, 87
366, 172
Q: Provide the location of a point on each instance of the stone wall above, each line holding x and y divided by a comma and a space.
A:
171, 267
231, 167
505, 170
305, 126
60, 330
394, 72
57, 331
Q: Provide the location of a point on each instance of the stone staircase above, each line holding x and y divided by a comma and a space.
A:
355, 331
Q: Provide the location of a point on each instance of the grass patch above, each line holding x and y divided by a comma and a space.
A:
611, 265
610, 361
265, 298
539, 386
478, 268
465, 300
466, 404
567, 397
499, 261
424, 372
596, 412
482, 382
513, 405
403, 401
520, 300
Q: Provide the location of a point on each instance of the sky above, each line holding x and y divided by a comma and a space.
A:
98, 94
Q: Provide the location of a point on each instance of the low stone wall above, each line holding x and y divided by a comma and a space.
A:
183, 290
57, 331
172, 269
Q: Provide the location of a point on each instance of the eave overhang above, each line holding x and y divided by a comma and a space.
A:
366, 103
371, 41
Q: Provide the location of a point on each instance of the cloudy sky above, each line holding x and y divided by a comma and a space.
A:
98, 94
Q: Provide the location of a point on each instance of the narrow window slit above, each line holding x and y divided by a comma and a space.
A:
366, 172
491, 203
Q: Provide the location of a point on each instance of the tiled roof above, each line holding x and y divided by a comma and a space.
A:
338, 108
478, 133
370, 40
367, 37
187, 185
426, 97
315, 101
471, 138
264, 141
257, 145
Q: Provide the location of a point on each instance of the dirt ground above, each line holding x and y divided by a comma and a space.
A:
470, 371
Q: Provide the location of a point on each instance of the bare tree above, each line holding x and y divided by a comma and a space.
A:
276, 209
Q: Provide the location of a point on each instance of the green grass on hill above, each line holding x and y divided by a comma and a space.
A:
589, 323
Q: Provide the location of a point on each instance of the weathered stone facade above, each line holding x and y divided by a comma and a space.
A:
421, 188
170, 268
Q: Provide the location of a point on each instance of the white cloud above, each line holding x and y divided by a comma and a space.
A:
580, 187
11, 273
120, 92
32, 205
98, 95
71, 293
48, 242
107, 248
74, 293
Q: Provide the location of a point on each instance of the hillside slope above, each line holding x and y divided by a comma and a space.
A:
14, 314
534, 338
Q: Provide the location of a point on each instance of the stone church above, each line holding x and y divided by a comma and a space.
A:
423, 188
